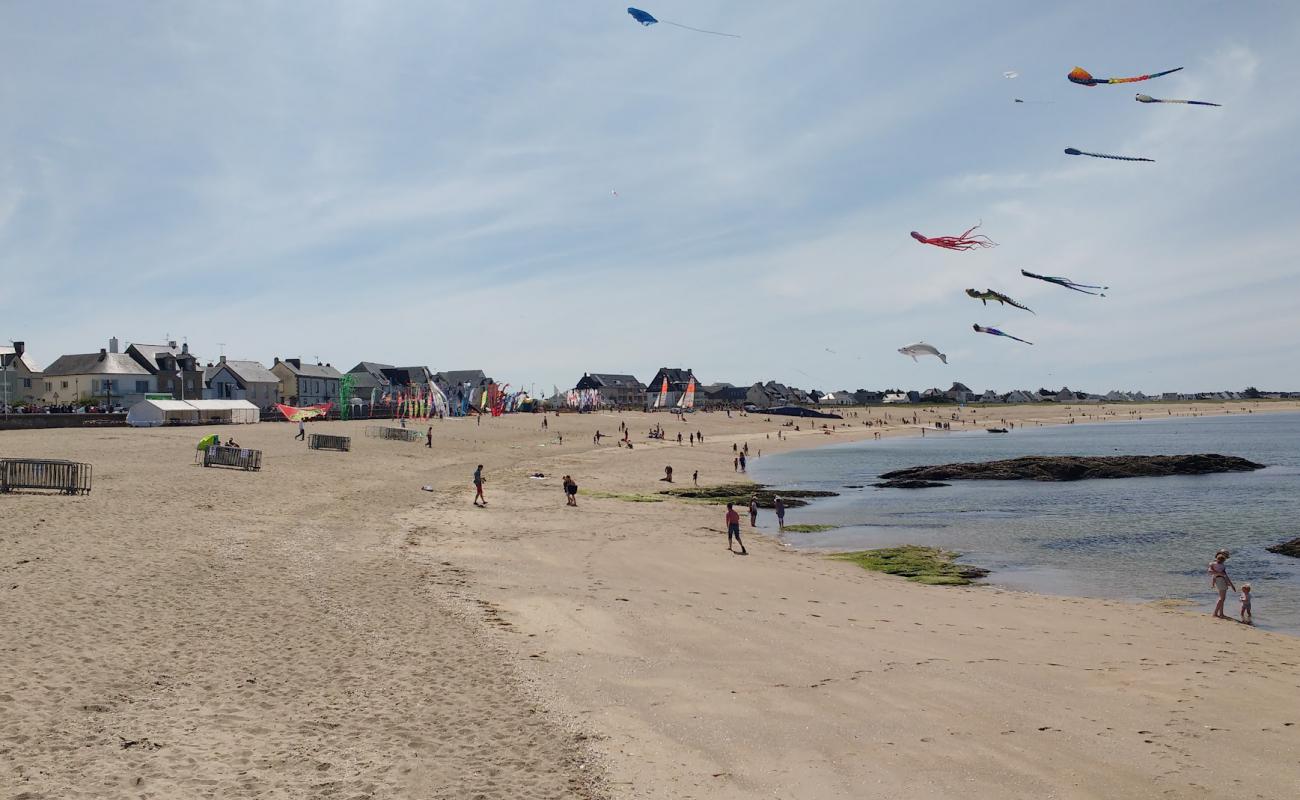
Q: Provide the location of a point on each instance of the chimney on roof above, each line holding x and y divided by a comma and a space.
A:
19, 349
295, 362
112, 345
223, 359
102, 354
171, 343
185, 348
275, 360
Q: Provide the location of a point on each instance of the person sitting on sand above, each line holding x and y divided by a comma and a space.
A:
1245, 605
1220, 581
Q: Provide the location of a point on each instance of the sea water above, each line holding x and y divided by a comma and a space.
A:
1138, 539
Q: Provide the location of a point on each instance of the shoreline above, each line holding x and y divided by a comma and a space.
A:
325, 622
1047, 574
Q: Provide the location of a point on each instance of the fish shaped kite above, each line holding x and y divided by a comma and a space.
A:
988, 294
1066, 282
996, 332
1146, 98
922, 349
963, 242
647, 19
1082, 77
1070, 151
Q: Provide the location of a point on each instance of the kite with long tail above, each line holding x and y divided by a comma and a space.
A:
996, 332
963, 242
988, 294
1082, 77
1070, 151
1067, 283
1146, 98
647, 19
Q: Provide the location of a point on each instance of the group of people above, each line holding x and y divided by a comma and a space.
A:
1219, 579
733, 521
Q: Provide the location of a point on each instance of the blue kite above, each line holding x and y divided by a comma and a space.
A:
647, 19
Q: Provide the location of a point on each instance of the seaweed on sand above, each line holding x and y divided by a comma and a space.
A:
928, 565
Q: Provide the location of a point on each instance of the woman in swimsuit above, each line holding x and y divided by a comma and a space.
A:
1220, 581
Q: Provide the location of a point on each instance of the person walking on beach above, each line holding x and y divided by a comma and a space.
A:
302, 431
753, 511
428, 438
570, 491
779, 505
741, 461
695, 477
1220, 581
733, 529
1246, 617
479, 499
735, 464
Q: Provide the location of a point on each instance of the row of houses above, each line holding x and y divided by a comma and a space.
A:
113, 378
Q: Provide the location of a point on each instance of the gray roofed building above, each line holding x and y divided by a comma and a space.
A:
242, 380
20, 377
615, 389
306, 384
103, 377
460, 377
176, 370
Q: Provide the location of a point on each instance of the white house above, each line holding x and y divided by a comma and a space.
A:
21, 381
107, 377
242, 380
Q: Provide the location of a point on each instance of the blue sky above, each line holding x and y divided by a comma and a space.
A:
428, 182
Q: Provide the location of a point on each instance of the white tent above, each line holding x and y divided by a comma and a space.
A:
232, 411
152, 413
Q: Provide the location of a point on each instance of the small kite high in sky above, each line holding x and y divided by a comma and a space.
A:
1082, 77
996, 332
647, 19
1066, 282
1011, 73
1146, 98
963, 242
988, 294
1070, 151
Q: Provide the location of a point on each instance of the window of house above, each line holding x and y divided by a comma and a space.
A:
65, 384
27, 383
49, 385
141, 386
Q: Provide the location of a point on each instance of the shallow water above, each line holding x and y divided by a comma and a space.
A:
1134, 538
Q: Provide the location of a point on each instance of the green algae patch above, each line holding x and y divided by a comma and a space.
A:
739, 494
809, 528
928, 565
626, 497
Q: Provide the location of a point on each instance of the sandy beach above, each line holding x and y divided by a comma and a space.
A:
325, 628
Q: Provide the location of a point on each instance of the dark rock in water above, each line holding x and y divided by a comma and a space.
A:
853, 486
1077, 468
903, 483
1291, 548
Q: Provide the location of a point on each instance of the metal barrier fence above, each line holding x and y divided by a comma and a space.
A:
66, 477
237, 457
397, 434
322, 441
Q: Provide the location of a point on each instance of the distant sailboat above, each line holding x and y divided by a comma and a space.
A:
688, 399
662, 400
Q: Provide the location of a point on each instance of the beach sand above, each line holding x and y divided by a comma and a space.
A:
324, 628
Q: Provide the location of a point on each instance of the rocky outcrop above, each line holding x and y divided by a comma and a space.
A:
1076, 468
904, 483
1291, 548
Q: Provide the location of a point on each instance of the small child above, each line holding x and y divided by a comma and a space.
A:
1245, 605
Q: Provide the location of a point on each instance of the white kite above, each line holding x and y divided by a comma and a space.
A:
922, 349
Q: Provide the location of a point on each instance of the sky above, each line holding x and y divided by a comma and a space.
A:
434, 183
